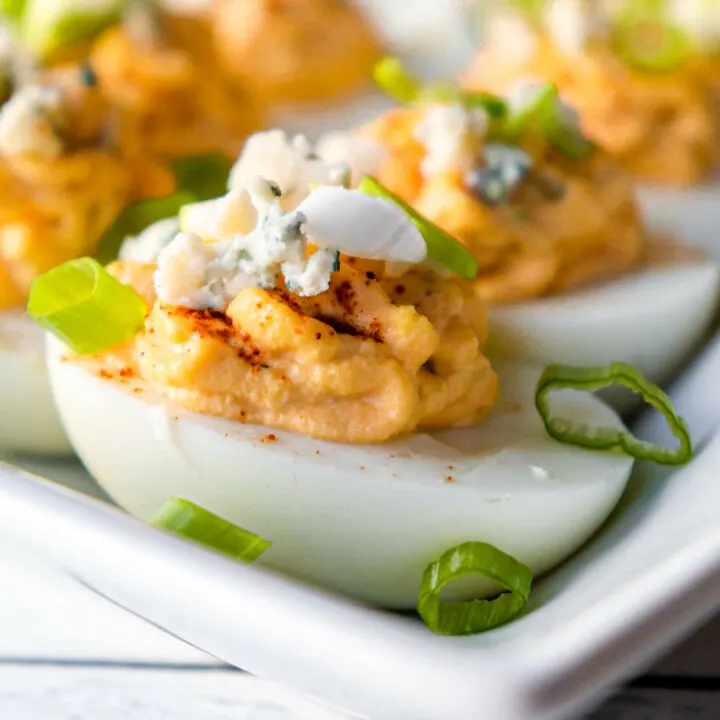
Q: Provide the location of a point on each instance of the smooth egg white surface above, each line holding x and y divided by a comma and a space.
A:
29, 422
692, 214
362, 520
651, 319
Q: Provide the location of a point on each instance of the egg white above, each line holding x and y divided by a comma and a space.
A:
29, 422
652, 319
362, 520
689, 213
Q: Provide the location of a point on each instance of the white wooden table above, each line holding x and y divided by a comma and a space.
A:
66, 654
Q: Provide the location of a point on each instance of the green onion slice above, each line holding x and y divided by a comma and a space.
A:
560, 377
136, 218
205, 176
48, 26
84, 306
12, 9
558, 123
646, 41
442, 247
393, 78
475, 616
190, 521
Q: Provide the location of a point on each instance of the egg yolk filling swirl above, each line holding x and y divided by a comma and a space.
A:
266, 328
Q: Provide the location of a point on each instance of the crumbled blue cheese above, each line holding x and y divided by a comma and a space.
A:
31, 122
222, 218
505, 168
147, 246
451, 136
207, 275
363, 156
290, 162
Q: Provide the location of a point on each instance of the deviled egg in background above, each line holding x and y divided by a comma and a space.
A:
566, 263
642, 77
62, 188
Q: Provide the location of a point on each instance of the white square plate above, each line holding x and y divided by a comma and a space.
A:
651, 576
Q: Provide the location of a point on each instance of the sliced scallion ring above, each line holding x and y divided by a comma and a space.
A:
442, 247
589, 379
84, 306
494, 106
193, 522
559, 124
646, 41
475, 616
137, 217
12, 9
205, 176
394, 79
49, 26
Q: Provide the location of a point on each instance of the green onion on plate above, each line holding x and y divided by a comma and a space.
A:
83, 305
589, 379
474, 616
193, 522
442, 247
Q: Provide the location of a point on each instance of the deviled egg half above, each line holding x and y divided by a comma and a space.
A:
565, 262
61, 189
273, 365
643, 77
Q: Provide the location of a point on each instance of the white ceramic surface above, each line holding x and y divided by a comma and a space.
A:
365, 520
651, 576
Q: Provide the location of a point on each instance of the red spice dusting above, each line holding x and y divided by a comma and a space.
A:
127, 372
449, 479
374, 330
298, 331
268, 438
105, 374
317, 452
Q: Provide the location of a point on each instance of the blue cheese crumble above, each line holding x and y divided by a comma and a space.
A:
198, 274
451, 136
31, 122
147, 246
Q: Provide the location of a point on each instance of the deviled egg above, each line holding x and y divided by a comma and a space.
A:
630, 69
564, 259
266, 366
61, 189
162, 72
294, 56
